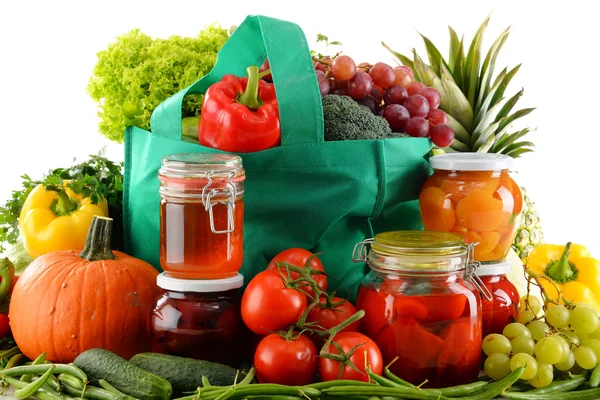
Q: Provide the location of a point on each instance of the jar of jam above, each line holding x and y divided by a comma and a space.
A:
201, 215
422, 305
504, 307
200, 319
473, 195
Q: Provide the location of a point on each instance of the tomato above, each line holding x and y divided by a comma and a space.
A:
286, 361
4, 326
268, 305
460, 356
328, 317
299, 257
329, 370
379, 310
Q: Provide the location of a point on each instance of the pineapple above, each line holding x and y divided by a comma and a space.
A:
477, 109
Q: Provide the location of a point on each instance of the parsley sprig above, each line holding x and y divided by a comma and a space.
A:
97, 178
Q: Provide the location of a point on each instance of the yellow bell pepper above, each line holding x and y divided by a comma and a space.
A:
55, 218
571, 268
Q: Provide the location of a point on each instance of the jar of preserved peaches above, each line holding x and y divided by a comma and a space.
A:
200, 319
422, 305
201, 215
473, 195
504, 306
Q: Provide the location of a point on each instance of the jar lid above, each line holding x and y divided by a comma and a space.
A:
471, 162
201, 165
418, 250
199, 285
501, 267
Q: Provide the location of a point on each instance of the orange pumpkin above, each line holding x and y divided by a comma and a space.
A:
65, 303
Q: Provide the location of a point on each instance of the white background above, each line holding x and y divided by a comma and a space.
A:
48, 50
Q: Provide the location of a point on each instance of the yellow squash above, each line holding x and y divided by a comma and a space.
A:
573, 270
55, 218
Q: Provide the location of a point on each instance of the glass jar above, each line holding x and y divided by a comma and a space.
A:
473, 195
422, 305
504, 307
200, 319
201, 215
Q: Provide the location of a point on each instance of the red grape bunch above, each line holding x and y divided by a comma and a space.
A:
392, 93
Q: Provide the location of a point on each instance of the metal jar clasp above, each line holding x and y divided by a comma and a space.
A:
207, 196
361, 251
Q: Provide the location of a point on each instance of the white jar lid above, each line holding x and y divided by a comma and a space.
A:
199, 285
471, 162
501, 267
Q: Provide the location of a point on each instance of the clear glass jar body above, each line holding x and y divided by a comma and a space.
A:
423, 307
204, 326
504, 308
202, 220
481, 206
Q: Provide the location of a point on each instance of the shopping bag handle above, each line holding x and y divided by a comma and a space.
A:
296, 86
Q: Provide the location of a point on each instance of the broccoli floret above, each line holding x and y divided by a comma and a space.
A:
347, 120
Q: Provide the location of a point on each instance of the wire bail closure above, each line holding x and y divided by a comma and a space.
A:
361, 251
471, 272
207, 196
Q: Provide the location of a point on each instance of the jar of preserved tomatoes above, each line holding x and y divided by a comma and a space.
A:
200, 319
422, 305
473, 195
201, 215
504, 306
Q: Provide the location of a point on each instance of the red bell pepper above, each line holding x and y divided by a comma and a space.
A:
240, 115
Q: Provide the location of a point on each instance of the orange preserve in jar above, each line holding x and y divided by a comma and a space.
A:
422, 305
201, 215
473, 195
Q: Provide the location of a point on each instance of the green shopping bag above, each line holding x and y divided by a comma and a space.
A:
321, 196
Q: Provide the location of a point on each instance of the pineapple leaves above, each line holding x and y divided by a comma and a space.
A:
508, 106
506, 121
482, 138
518, 152
485, 120
503, 85
457, 73
455, 49
455, 103
402, 58
517, 146
460, 133
487, 69
472, 64
459, 146
425, 72
506, 140
435, 57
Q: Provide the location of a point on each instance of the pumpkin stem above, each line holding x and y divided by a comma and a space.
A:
97, 243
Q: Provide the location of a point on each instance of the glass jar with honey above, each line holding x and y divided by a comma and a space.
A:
473, 195
201, 215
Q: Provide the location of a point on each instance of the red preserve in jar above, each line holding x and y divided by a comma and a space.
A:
201, 215
504, 307
200, 319
422, 305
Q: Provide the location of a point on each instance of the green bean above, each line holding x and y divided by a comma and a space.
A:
260, 389
90, 393
205, 381
104, 384
560, 386
45, 393
390, 375
39, 360
10, 352
495, 388
403, 392
42, 368
589, 394
463, 390
71, 380
595, 378
53, 383
15, 360
227, 394
323, 385
383, 381
276, 397
248, 378
34, 386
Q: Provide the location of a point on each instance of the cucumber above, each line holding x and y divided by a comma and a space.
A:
125, 376
185, 374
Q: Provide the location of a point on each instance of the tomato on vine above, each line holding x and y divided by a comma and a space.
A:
270, 303
288, 359
303, 259
332, 311
348, 356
